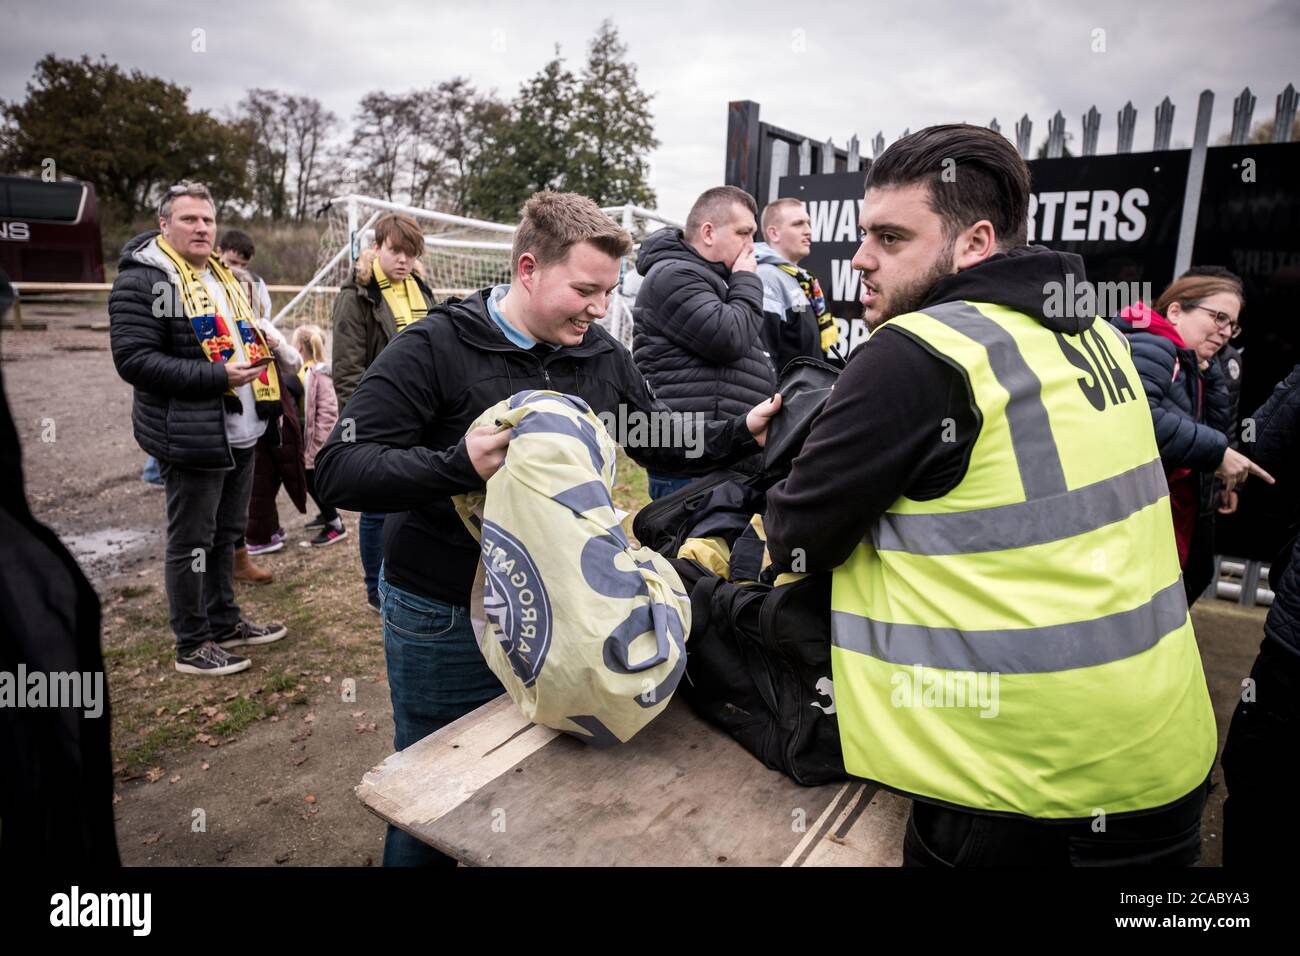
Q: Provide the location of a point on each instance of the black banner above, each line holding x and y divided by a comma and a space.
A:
834, 201
1122, 214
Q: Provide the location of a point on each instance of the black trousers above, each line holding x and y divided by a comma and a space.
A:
206, 512
1261, 764
1199, 569
1167, 836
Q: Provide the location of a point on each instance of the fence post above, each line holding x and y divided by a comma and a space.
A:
1243, 108
742, 145
828, 156
1024, 128
1285, 115
780, 166
1056, 136
1128, 118
805, 157
1195, 176
1164, 124
1091, 128
877, 145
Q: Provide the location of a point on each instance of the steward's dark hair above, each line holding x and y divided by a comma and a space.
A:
972, 173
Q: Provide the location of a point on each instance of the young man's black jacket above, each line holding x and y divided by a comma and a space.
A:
419, 397
881, 434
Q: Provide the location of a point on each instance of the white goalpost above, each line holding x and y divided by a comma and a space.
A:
461, 255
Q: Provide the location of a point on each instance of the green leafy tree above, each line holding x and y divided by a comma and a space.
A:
613, 127
531, 149
128, 134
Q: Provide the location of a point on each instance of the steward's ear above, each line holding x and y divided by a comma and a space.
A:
975, 244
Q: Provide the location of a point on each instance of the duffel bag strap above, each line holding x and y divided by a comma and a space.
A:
702, 601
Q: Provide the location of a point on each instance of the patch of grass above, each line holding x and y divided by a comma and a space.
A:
133, 591
148, 696
631, 490
278, 680
148, 619
163, 738
242, 711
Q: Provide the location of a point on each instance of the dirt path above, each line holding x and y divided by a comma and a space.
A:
279, 733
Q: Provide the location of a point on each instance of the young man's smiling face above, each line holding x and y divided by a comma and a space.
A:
566, 296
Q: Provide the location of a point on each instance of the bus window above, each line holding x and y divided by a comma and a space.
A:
49, 232
34, 200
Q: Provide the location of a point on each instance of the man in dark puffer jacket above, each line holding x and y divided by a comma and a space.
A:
698, 318
183, 415
1259, 758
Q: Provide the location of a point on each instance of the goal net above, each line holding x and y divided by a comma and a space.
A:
461, 255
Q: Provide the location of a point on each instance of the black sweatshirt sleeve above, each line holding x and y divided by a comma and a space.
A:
899, 421
1276, 430
705, 445
382, 465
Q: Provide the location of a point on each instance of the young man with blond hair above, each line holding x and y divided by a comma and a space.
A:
410, 453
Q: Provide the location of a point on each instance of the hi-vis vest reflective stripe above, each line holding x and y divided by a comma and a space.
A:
1022, 644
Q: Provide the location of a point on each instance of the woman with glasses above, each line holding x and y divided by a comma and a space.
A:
1174, 343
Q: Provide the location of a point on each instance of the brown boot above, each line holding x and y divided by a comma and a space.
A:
246, 571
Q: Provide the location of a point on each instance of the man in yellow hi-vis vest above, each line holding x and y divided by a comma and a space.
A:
1011, 641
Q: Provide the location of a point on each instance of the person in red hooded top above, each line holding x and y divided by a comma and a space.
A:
1173, 343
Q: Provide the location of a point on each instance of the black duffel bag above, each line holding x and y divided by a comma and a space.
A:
758, 659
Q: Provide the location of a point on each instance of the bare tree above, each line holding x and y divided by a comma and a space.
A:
380, 140
264, 111
309, 125
465, 119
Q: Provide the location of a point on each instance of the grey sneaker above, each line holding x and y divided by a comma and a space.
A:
246, 633
210, 659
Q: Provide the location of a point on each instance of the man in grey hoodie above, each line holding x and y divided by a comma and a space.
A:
795, 320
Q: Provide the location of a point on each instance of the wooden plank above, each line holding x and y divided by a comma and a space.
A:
415, 787
867, 832
489, 790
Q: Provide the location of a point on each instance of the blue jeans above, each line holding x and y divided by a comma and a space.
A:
371, 535
660, 485
436, 674
152, 471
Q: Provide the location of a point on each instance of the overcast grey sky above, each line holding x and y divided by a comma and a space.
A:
822, 68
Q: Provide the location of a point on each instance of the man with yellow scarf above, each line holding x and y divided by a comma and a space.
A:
184, 336
385, 294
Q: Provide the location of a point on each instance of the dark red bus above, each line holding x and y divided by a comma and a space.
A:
49, 232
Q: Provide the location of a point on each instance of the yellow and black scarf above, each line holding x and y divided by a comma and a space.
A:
827, 332
214, 330
405, 310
